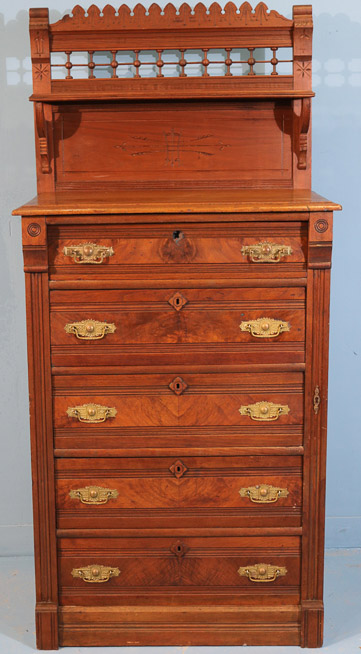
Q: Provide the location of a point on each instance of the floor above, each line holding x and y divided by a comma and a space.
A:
342, 603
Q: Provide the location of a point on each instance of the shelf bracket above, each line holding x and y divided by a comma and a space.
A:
304, 124
42, 133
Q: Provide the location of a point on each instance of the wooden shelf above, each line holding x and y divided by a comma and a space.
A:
175, 201
143, 94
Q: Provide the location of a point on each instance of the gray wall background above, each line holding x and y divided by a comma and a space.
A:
336, 174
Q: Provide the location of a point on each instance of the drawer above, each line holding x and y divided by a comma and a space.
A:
169, 492
140, 250
118, 570
96, 326
169, 400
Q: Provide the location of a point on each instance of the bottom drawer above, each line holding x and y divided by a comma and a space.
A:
140, 571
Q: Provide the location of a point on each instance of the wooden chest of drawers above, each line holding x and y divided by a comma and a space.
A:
178, 344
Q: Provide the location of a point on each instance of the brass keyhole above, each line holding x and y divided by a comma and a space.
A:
179, 469
179, 548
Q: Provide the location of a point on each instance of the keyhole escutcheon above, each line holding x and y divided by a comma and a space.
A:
177, 236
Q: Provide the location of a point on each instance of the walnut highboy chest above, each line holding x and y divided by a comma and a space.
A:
177, 282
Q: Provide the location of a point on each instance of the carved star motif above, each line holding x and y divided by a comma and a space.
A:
305, 35
40, 71
304, 68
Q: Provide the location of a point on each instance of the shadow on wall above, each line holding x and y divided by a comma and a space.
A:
17, 184
336, 108
336, 174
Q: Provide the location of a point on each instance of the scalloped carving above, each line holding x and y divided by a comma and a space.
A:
156, 18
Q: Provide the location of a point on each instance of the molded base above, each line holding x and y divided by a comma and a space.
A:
179, 626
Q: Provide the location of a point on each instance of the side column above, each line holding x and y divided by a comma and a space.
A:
41, 429
316, 382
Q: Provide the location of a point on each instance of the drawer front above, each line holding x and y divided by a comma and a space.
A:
91, 320
169, 492
83, 250
164, 326
171, 400
99, 570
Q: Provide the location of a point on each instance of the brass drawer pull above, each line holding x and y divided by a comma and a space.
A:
88, 252
91, 412
263, 493
264, 327
93, 494
90, 330
95, 574
262, 572
266, 252
264, 410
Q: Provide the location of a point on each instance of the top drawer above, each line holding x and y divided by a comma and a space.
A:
161, 250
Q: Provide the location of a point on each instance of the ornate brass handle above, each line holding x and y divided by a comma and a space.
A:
91, 412
262, 572
93, 494
264, 410
90, 330
264, 327
96, 573
88, 252
263, 493
266, 252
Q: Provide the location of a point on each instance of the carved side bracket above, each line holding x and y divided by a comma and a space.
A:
42, 132
304, 125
